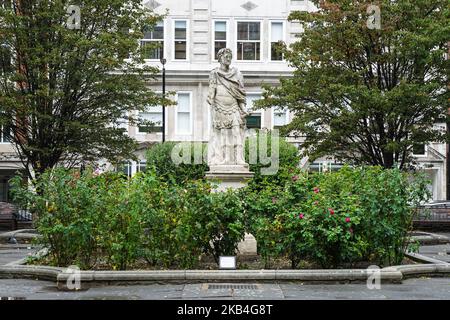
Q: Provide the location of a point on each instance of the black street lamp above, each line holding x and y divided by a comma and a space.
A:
163, 62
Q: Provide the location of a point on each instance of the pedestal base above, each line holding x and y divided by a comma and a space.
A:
248, 247
235, 177
229, 176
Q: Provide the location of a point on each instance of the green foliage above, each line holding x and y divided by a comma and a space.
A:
288, 158
66, 91
331, 219
159, 157
353, 215
106, 219
369, 95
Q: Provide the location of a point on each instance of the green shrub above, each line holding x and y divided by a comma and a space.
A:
91, 220
159, 157
289, 161
340, 217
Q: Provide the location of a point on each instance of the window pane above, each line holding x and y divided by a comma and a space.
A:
242, 30
254, 31
180, 50
157, 32
240, 55
220, 30
152, 49
5, 134
180, 30
277, 31
217, 46
419, 149
254, 121
275, 52
183, 122
249, 51
183, 102
279, 118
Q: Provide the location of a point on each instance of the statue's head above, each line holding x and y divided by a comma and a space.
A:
224, 56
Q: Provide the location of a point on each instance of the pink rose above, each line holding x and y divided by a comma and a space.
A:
316, 190
331, 211
347, 219
301, 215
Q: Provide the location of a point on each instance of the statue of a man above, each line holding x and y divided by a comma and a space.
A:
228, 111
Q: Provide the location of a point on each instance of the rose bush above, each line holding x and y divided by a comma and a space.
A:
353, 215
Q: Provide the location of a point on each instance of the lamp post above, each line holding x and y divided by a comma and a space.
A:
163, 62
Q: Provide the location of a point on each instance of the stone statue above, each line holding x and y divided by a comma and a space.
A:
228, 111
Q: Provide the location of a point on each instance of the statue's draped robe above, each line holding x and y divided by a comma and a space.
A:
226, 113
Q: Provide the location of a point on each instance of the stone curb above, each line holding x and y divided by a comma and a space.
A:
182, 276
22, 235
423, 259
393, 274
427, 238
34, 272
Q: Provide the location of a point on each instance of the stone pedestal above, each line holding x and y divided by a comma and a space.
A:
229, 176
235, 177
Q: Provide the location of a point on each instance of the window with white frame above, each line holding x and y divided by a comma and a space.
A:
180, 49
248, 40
5, 134
152, 119
254, 120
220, 36
141, 166
280, 117
153, 42
276, 40
125, 168
419, 149
184, 116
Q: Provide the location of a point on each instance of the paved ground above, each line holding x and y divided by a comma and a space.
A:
421, 288
11, 253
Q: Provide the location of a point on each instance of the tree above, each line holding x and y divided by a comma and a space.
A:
67, 88
362, 94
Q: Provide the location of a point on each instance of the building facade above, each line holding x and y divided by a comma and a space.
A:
189, 38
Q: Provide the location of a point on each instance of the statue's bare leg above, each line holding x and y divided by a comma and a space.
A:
239, 145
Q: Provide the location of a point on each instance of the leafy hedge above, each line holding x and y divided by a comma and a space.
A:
330, 219
352, 215
107, 219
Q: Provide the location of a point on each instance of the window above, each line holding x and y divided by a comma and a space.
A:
125, 168
419, 149
5, 135
184, 113
248, 41
253, 121
280, 117
141, 166
220, 37
153, 42
153, 117
180, 40
276, 39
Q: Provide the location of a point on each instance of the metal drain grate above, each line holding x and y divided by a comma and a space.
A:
232, 286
